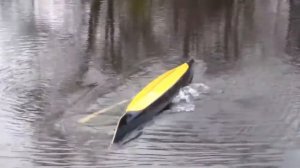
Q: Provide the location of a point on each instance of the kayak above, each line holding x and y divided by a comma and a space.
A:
153, 99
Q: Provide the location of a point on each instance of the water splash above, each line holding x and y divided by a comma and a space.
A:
184, 101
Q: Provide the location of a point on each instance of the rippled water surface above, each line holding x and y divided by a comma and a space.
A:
61, 60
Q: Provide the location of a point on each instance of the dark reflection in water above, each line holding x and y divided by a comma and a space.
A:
210, 30
293, 42
60, 60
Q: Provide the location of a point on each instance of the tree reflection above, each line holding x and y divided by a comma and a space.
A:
93, 24
212, 30
109, 50
191, 10
293, 39
136, 32
230, 30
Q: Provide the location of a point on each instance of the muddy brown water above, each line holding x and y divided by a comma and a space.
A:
62, 60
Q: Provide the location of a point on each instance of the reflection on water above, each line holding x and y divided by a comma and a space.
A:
293, 44
60, 60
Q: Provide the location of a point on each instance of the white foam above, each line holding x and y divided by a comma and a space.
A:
184, 101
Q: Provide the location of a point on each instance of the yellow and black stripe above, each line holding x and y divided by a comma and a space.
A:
153, 98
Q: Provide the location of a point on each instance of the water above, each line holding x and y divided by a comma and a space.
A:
185, 99
62, 60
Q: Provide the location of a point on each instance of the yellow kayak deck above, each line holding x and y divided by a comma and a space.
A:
156, 88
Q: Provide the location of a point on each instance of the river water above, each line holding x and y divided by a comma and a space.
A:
61, 60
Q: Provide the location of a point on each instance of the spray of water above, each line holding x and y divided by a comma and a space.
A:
184, 101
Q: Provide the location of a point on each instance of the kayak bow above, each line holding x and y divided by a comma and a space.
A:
153, 99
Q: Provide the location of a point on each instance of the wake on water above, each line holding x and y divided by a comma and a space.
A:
184, 101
